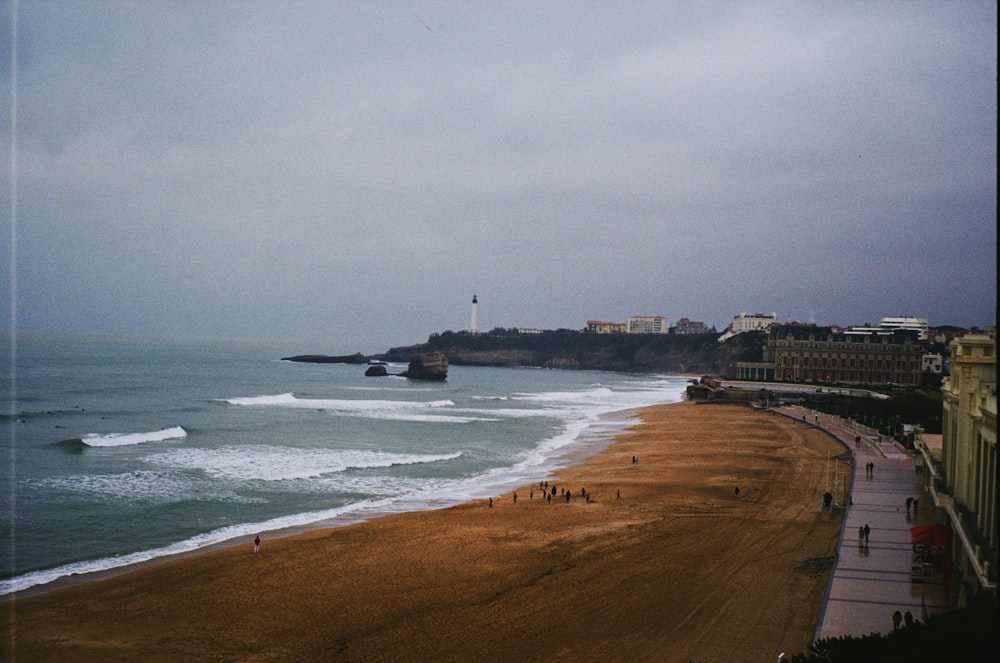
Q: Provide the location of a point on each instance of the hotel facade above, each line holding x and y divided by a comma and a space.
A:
807, 353
963, 484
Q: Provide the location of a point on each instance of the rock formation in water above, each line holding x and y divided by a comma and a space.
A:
427, 366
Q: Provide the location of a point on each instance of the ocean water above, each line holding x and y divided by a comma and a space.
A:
121, 450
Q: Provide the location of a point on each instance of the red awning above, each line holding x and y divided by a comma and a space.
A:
931, 535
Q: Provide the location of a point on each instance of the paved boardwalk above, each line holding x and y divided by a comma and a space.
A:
870, 581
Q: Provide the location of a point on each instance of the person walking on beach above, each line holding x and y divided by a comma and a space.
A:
515, 497
256, 543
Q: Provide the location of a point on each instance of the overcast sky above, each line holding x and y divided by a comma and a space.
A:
353, 172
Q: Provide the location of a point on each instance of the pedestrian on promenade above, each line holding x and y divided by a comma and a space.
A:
908, 618
897, 619
909, 503
868, 531
861, 534
916, 505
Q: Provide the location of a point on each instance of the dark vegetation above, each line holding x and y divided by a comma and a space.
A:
968, 634
921, 407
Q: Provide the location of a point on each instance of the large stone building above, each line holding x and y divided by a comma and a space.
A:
964, 483
807, 353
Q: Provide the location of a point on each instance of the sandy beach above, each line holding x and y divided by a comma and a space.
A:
679, 568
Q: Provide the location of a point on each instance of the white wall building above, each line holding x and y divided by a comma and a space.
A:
933, 363
647, 324
918, 324
602, 327
745, 322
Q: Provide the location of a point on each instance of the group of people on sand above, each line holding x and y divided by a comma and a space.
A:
550, 491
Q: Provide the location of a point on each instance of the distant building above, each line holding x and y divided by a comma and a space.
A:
807, 353
686, 327
647, 324
933, 363
889, 325
917, 324
964, 484
745, 322
598, 327
474, 323
530, 330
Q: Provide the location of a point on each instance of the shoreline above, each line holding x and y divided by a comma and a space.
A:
576, 578
584, 446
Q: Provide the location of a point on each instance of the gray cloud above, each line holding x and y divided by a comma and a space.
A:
353, 172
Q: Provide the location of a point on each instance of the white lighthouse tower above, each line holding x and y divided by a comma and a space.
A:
474, 327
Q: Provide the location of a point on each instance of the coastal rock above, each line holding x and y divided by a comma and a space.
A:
427, 366
376, 371
356, 358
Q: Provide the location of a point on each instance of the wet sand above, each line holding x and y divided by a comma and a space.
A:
679, 568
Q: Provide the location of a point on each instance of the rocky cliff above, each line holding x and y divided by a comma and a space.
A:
636, 353
356, 358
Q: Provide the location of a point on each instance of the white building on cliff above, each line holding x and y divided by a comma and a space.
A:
647, 324
745, 322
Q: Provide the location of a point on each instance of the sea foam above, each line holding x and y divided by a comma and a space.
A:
128, 439
274, 463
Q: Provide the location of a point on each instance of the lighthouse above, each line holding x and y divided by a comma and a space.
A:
474, 327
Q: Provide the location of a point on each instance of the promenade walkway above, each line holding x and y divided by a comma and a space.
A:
870, 581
